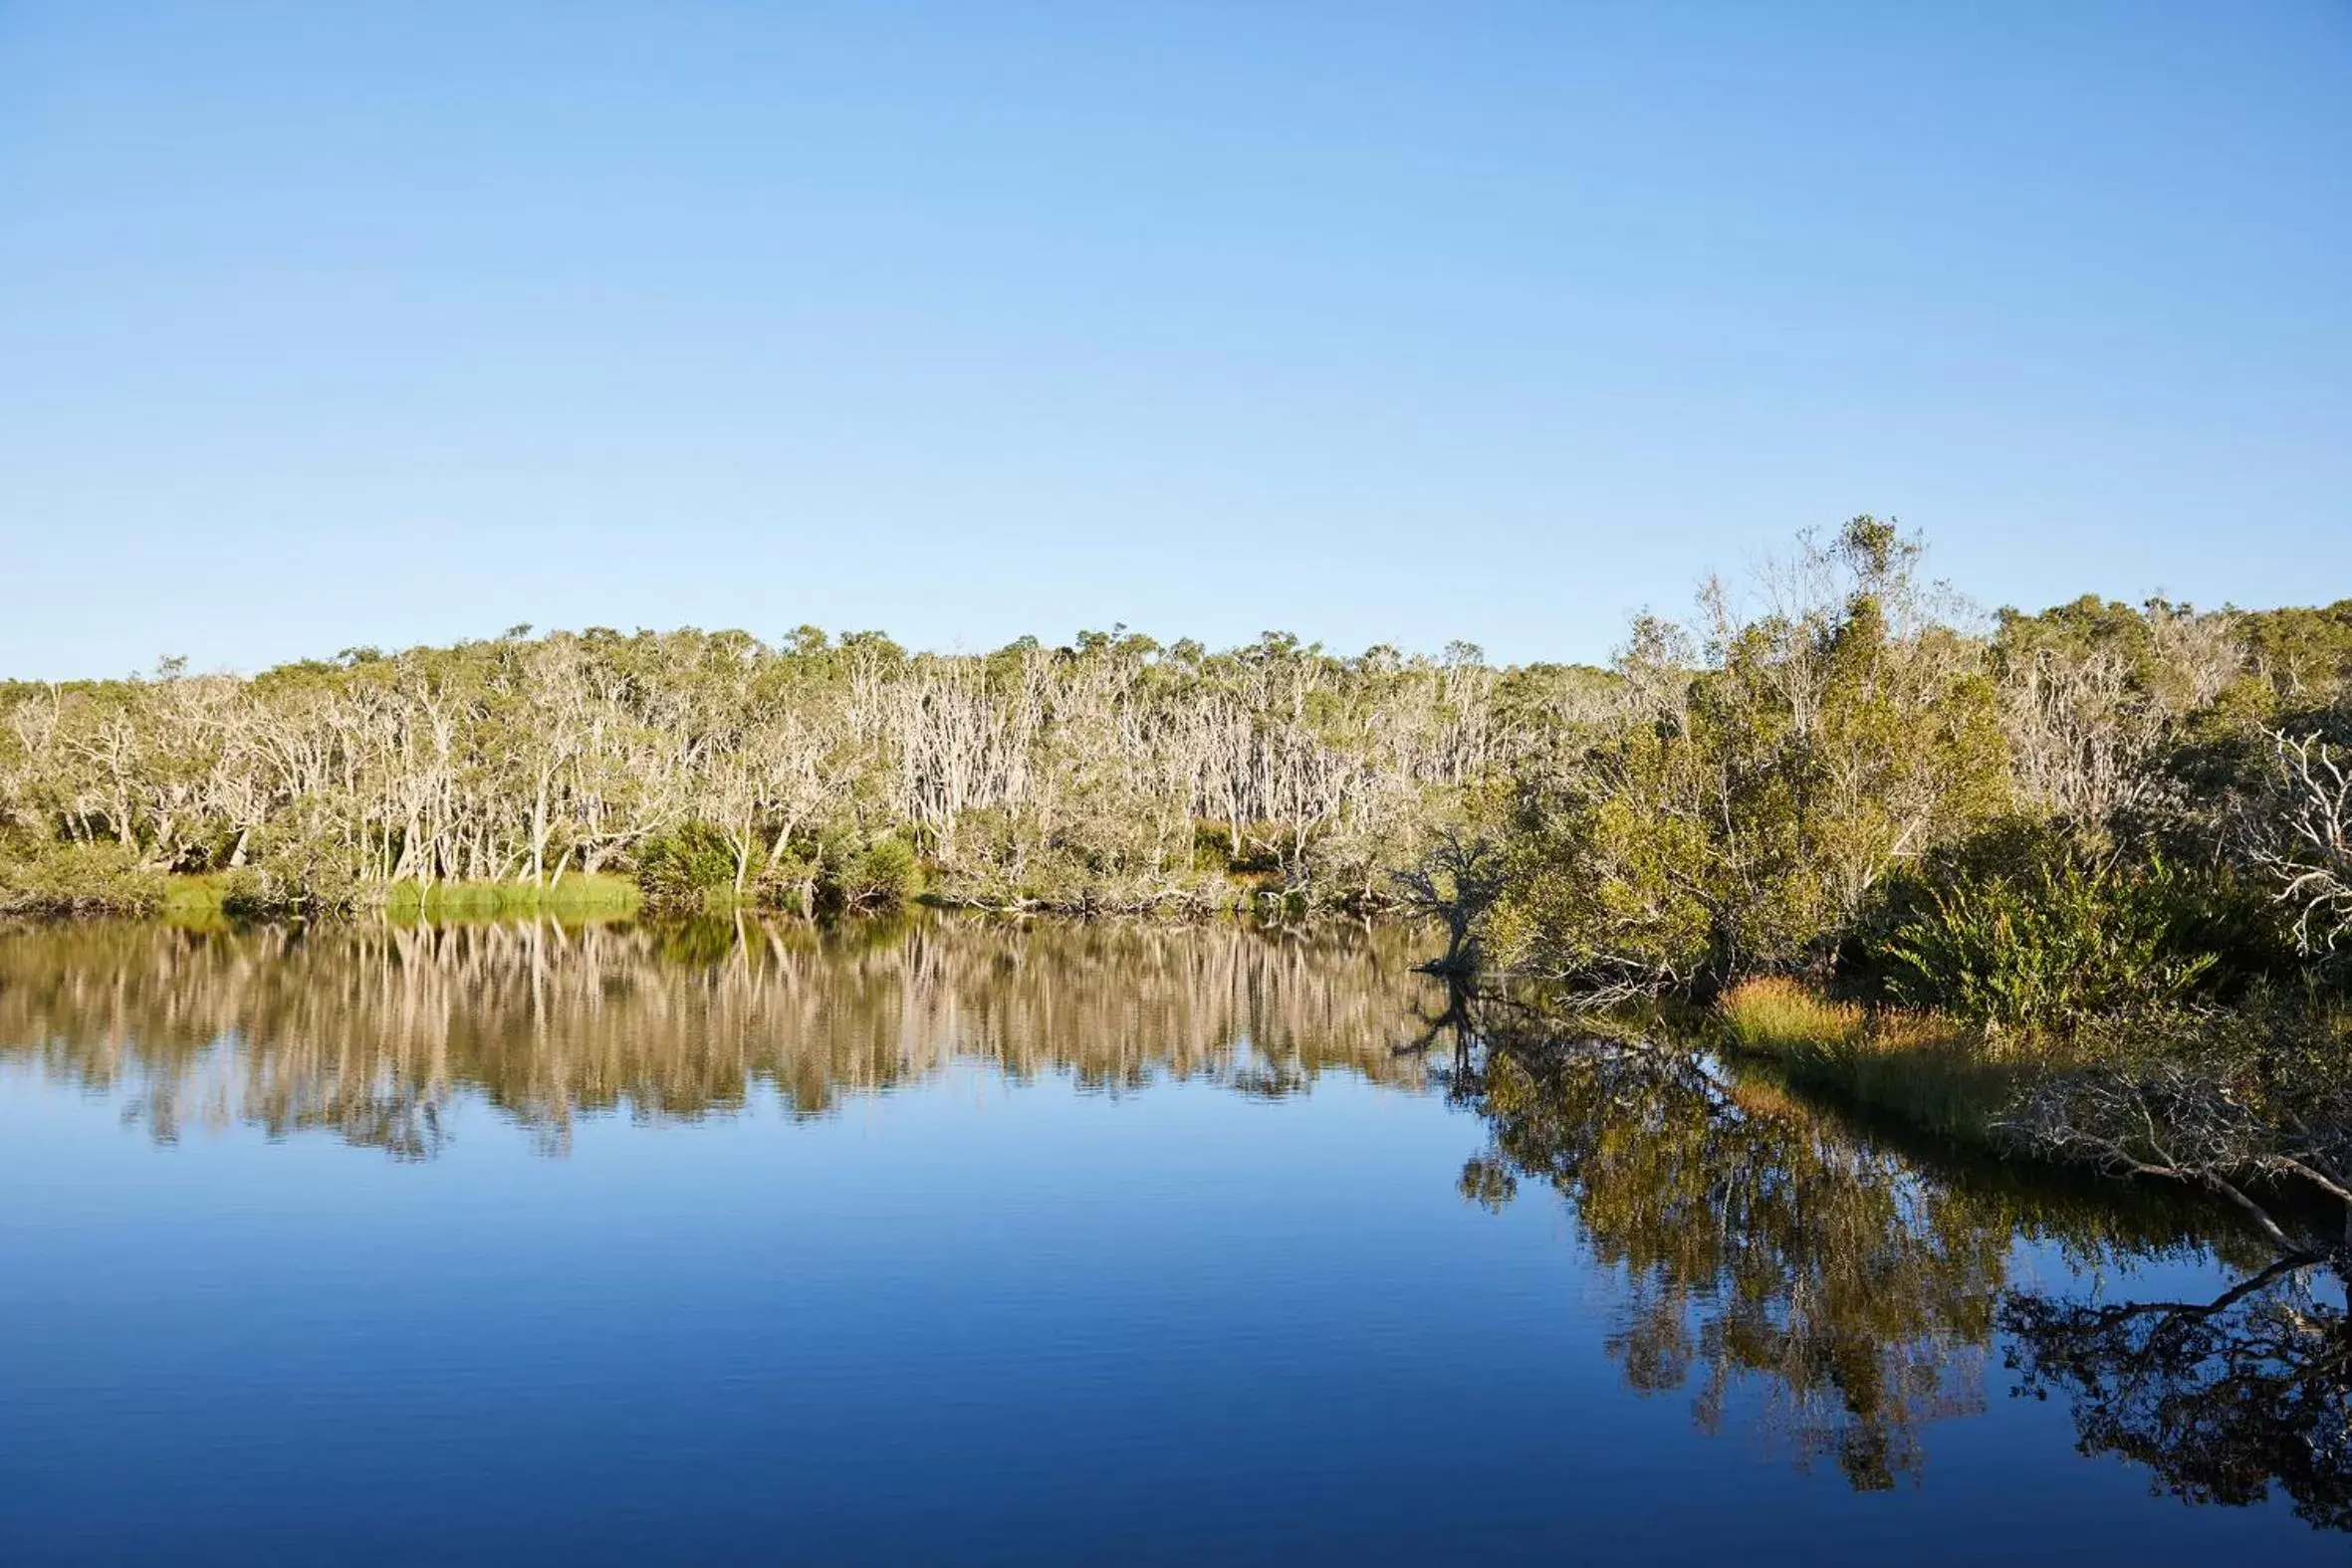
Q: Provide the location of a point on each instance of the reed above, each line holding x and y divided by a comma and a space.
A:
1924, 1069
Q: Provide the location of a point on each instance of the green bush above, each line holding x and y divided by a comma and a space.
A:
2009, 849
677, 870
276, 891
248, 894
103, 878
303, 864
2063, 938
878, 875
788, 884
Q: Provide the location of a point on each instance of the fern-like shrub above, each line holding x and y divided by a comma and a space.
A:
2065, 939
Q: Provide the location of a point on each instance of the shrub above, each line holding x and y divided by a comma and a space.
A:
679, 869
248, 893
103, 878
1212, 848
880, 875
273, 891
302, 864
2069, 938
788, 884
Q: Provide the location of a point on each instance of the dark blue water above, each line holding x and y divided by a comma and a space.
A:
954, 1244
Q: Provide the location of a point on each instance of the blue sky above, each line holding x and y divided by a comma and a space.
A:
327, 324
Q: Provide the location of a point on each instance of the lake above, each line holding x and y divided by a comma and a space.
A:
961, 1241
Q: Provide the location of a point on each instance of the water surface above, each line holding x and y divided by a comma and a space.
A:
956, 1242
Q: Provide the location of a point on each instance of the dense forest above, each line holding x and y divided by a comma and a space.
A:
1112, 774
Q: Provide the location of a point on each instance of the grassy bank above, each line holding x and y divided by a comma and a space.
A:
100, 882
2249, 1103
581, 894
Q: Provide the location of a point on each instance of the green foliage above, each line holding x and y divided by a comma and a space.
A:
1733, 814
2067, 939
1214, 849
1725, 801
1601, 889
2078, 812
2303, 654
251, 894
788, 884
881, 874
678, 870
299, 867
100, 878
1083, 776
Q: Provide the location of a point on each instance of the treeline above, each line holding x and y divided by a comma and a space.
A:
1835, 771
1830, 772
2090, 867
2077, 881
1114, 772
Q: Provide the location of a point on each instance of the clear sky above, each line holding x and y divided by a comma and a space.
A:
326, 325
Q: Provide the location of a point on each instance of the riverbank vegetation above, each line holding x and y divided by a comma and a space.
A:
2078, 881
1112, 773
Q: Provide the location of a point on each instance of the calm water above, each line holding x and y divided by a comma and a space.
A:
959, 1244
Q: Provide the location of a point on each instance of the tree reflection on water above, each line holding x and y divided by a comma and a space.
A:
368, 1030
1757, 1244
2220, 1399
1785, 1271
1854, 1292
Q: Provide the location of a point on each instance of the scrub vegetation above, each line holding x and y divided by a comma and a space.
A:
2077, 883
2078, 880
710, 768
